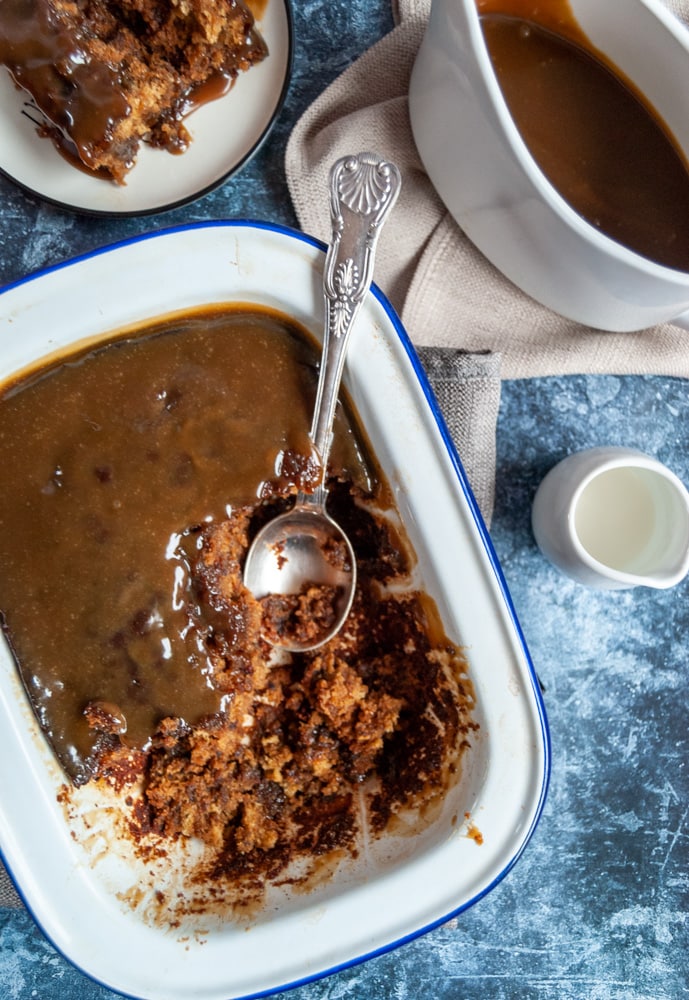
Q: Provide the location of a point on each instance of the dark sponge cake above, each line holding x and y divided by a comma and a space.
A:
109, 74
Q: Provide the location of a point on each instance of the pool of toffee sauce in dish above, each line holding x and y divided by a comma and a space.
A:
111, 456
593, 135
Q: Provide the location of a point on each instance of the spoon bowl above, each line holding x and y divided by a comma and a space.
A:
303, 544
301, 565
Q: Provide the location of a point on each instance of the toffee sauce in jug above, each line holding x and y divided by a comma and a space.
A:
597, 140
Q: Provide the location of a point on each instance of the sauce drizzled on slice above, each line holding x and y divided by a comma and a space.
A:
104, 77
47, 56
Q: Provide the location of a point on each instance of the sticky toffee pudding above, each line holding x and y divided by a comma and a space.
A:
107, 75
136, 474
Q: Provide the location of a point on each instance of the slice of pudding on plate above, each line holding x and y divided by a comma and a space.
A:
104, 76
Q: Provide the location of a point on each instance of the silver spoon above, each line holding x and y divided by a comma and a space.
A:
305, 547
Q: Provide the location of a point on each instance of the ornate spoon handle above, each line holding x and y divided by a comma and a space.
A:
363, 189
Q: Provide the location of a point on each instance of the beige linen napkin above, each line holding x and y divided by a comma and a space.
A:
8, 894
467, 387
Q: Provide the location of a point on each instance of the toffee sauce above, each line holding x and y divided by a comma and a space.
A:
112, 457
592, 134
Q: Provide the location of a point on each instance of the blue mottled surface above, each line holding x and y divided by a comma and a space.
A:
598, 906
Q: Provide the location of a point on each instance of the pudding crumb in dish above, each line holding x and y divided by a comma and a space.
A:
107, 75
311, 752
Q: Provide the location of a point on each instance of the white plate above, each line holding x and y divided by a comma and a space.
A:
225, 135
72, 875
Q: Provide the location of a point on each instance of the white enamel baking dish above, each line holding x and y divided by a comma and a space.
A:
87, 894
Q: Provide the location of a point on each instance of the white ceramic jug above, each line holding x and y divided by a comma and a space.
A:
489, 181
614, 518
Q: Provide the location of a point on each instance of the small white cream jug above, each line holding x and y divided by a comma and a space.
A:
614, 518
